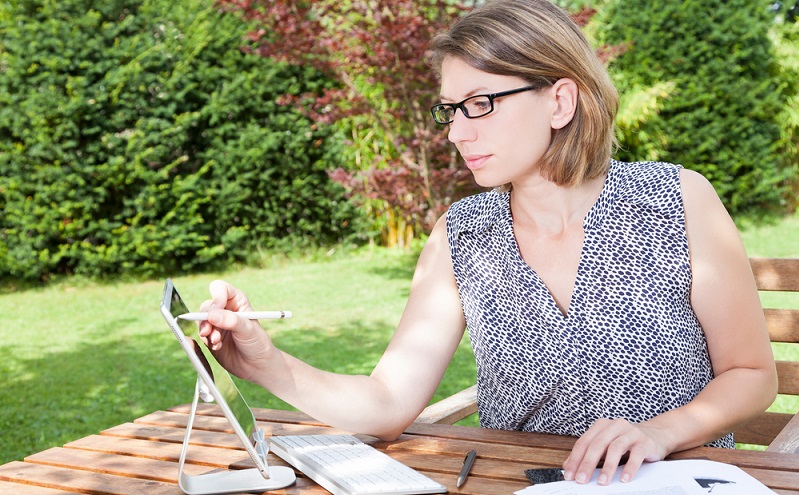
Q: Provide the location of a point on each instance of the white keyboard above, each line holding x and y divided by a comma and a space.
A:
344, 465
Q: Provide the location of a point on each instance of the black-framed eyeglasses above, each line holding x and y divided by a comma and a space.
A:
472, 107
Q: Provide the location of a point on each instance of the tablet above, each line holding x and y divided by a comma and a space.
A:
216, 384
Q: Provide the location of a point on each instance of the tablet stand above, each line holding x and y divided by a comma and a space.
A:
241, 480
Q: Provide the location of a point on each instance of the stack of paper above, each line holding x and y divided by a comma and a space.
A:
685, 477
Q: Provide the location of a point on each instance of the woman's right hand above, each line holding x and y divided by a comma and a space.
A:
240, 345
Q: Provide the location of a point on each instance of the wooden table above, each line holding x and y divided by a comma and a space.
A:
141, 457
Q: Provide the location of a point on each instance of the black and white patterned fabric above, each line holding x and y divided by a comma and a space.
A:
630, 345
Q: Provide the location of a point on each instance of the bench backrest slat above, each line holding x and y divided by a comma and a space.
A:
776, 275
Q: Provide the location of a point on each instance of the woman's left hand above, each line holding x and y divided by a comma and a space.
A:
611, 440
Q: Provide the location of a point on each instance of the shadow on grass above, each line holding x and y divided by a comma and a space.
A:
67, 395
399, 266
70, 394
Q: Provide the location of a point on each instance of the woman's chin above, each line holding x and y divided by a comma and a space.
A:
487, 182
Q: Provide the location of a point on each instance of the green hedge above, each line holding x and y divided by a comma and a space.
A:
136, 137
721, 118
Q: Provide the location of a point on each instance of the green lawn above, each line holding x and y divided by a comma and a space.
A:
80, 357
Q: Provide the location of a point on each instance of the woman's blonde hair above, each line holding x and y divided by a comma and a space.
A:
540, 43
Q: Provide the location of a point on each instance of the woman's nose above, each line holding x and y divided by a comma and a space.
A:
461, 128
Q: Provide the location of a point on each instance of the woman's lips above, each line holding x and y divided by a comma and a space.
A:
474, 162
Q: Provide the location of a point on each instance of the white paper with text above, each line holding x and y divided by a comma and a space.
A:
684, 477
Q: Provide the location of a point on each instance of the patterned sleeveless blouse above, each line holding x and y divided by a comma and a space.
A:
630, 345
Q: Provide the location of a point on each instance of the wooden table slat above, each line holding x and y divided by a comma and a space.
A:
270, 415
198, 454
482, 468
83, 481
492, 436
140, 467
523, 455
479, 486
775, 479
218, 423
120, 465
9, 488
744, 458
174, 435
178, 420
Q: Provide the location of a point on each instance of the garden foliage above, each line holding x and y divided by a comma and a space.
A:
136, 137
147, 137
785, 36
722, 94
402, 169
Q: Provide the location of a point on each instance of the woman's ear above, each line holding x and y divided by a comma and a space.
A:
565, 93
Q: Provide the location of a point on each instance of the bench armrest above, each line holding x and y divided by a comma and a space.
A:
451, 409
787, 441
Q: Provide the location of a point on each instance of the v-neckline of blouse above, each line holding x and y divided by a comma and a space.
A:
591, 220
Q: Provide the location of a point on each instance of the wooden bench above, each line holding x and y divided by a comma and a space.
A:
778, 431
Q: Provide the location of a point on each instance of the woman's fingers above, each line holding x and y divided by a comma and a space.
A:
609, 442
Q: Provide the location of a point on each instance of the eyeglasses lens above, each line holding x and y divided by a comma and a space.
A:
443, 114
477, 106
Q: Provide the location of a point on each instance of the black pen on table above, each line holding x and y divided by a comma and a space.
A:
467, 466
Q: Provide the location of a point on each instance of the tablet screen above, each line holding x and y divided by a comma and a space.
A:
221, 378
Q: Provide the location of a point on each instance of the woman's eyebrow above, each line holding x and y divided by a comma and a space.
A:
475, 91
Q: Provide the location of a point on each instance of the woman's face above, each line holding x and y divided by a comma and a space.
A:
507, 144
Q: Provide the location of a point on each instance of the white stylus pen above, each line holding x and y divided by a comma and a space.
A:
250, 315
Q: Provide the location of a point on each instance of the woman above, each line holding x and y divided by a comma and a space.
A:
610, 301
